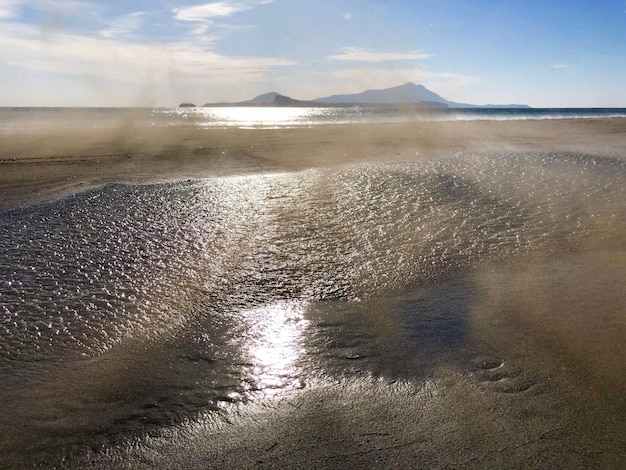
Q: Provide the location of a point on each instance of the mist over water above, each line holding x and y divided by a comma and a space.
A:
126, 308
24, 120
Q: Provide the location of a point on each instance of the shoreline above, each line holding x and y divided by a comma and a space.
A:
40, 167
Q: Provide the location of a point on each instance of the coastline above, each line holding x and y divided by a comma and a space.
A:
39, 167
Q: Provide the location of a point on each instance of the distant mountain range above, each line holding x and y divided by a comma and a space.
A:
408, 94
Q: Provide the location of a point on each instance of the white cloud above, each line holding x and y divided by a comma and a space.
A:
75, 55
9, 9
109, 57
363, 55
124, 26
209, 11
559, 66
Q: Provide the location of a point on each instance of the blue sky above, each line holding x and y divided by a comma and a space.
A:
159, 53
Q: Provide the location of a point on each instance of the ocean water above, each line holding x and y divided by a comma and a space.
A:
20, 120
128, 309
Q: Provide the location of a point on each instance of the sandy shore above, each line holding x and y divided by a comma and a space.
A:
541, 381
38, 167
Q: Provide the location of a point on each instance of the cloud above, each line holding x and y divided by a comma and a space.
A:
124, 26
559, 66
363, 55
9, 9
209, 11
104, 58
108, 56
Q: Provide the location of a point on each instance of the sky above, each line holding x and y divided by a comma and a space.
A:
555, 53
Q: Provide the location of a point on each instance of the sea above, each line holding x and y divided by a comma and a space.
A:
26, 120
129, 309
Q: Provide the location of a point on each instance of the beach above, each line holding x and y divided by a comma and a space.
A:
37, 167
450, 295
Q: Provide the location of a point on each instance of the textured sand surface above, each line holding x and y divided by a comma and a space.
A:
543, 381
37, 167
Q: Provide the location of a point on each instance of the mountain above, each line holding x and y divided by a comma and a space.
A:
404, 94
266, 98
270, 99
407, 94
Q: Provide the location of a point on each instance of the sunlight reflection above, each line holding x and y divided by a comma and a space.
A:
256, 117
276, 342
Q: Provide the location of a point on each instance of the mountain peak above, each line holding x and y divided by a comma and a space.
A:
265, 98
409, 93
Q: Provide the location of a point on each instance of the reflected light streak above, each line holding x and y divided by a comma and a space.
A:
276, 341
256, 117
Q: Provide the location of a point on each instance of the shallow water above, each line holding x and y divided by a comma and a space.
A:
129, 308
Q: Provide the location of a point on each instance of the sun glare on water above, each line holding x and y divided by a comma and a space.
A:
252, 117
276, 343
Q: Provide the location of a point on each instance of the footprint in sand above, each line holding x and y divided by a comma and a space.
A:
498, 376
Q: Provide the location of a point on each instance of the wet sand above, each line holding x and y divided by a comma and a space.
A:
542, 383
39, 167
